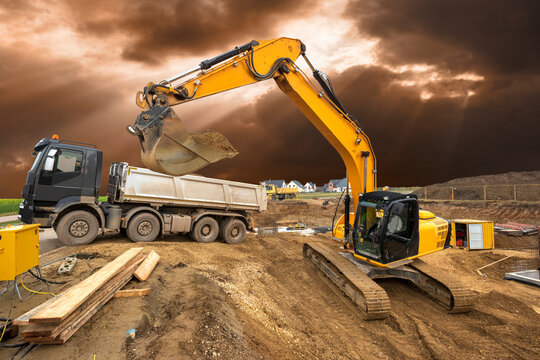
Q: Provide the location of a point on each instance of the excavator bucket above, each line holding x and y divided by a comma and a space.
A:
167, 147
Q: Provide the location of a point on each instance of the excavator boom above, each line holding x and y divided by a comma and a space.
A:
167, 147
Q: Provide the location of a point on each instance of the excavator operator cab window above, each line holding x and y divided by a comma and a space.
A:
400, 230
370, 223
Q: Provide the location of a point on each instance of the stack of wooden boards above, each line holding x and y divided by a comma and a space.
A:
56, 320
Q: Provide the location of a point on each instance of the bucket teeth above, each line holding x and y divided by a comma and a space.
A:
167, 147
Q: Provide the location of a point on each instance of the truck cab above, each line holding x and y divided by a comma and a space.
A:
64, 173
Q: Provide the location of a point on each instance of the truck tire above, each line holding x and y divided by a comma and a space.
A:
77, 228
205, 230
232, 231
143, 227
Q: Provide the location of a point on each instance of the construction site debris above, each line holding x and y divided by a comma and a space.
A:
67, 266
531, 277
56, 320
516, 229
147, 266
132, 293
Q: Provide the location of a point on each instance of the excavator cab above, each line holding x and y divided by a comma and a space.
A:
386, 226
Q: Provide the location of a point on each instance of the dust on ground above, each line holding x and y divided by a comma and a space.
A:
262, 300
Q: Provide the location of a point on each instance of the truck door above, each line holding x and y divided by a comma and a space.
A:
61, 174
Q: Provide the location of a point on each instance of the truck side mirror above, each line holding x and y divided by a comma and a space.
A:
49, 164
49, 161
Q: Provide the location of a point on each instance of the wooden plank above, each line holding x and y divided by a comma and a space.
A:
68, 328
148, 265
24, 319
72, 298
53, 330
67, 333
132, 292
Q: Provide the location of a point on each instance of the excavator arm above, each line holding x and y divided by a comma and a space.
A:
167, 147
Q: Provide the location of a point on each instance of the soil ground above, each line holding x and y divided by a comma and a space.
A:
499, 187
262, 300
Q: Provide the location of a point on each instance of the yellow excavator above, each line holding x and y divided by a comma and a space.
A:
382, 234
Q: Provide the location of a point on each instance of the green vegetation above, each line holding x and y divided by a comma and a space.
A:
14, 222
317, 195
9, 206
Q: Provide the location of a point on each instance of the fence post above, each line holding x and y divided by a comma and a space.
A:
515, 194
485, 197
452, 193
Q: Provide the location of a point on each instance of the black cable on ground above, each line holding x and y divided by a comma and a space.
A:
9, 321
335, 213
47, 281
12, 345
16, 352
30, 348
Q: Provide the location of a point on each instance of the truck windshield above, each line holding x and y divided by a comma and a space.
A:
38, 159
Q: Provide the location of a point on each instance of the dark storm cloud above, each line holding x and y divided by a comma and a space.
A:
416, 142
158, 30
40, 97
495, 36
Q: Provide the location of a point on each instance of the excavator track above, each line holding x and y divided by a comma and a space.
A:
363, 291
446, 290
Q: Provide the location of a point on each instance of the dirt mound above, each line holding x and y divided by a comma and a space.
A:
522, 177
519, 186
311, 212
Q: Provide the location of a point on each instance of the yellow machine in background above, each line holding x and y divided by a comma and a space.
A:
383, 233
19, 250
275, 193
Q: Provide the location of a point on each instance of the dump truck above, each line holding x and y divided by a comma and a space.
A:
275, 193
61, 192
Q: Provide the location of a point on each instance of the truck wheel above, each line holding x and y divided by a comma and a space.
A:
143, 227
205, 230
77, 228
232, 231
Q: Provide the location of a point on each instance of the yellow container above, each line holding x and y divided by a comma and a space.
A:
472, 234
19, 250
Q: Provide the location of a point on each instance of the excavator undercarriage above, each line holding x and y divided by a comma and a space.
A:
356, 279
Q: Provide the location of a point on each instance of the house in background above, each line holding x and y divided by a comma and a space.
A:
295, 184
341, 185
310, 187
337, 185
276, 183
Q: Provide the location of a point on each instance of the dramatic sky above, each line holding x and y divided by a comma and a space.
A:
444, 89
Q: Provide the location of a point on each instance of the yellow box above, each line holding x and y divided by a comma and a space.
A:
19, 250
474, 234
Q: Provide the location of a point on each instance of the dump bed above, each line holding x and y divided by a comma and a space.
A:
139, 185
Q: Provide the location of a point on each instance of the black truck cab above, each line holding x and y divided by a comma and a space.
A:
64, 173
